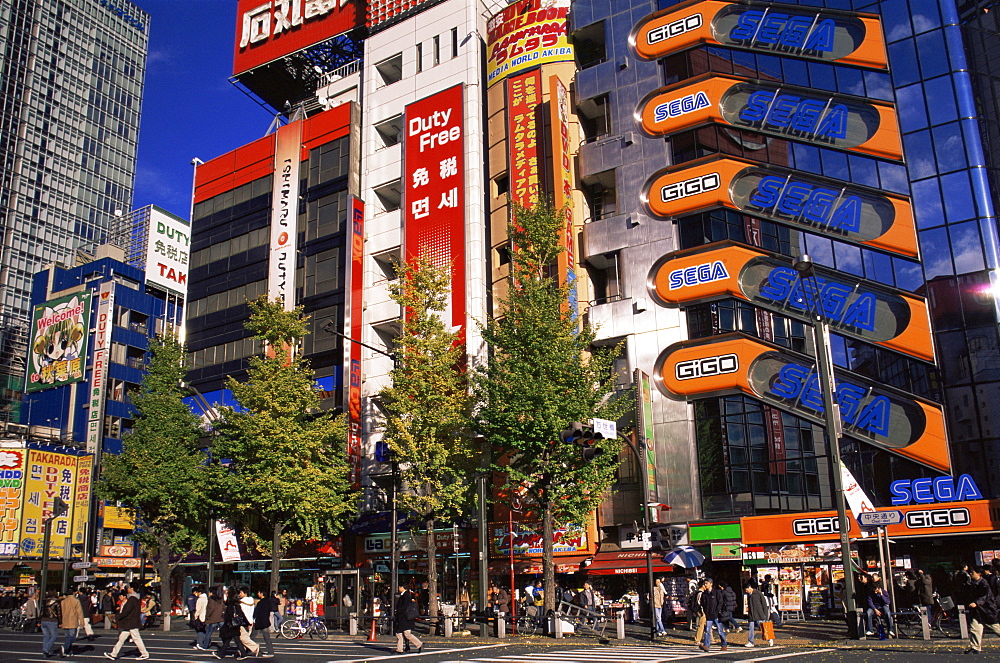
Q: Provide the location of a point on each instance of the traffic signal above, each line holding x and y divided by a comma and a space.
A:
59, 507
584, 437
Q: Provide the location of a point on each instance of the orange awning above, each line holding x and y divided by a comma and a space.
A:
622, 562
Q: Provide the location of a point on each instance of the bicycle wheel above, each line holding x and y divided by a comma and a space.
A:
319, 628
290, 629
908, 625
948, 627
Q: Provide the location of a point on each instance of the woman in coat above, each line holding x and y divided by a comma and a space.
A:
758, 610
214, 612
405, 618
233, 620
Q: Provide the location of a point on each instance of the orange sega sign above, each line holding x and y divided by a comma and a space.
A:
788, 30
855, 307
871, 412
846, 212
918, 520
800, 114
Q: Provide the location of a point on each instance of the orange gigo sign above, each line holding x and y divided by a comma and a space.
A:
846, 212
787, 30
858, 308
795, 113
871, 412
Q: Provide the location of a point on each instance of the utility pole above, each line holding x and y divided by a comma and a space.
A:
59, 509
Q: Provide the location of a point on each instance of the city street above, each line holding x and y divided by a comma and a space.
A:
174, 647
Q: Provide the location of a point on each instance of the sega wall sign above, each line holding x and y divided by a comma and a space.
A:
787, 30
800, 114
854, 307
871, 412
938, 489
845, 212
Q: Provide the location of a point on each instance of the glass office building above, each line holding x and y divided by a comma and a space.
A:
940, 79
71, 81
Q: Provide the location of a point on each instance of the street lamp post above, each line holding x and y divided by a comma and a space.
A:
639, 458
834, 426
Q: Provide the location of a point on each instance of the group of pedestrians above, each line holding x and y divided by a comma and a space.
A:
70, 612
237, 617
712, 606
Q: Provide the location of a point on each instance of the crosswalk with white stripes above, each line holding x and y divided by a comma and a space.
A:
624, 654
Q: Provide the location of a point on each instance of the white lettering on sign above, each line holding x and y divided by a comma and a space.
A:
274, 17
691, 187
938, 518
433, 130
706, 367
814, 526
678, 27
697, 274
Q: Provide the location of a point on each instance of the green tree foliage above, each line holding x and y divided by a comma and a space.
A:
428, 407
161, 475
542, 375
288, 477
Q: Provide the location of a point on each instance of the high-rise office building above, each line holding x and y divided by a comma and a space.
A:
71, 82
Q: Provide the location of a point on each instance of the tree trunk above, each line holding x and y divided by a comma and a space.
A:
432, 572
548, 550
164, 569
276, 553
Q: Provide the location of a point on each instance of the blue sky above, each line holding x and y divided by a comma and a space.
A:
190, 109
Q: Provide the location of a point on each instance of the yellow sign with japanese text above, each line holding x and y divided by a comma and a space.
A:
49, 474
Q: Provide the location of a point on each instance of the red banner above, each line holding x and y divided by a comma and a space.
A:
354, 327
434, 185
524, 93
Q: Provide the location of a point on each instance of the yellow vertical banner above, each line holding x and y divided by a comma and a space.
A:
12, 462
49, 474
81, 500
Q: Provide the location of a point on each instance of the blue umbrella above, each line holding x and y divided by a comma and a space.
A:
684, 556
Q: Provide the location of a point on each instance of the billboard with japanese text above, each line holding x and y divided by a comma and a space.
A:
49, 474
434, 188
167, 249
805, 115
57, 345
284, 214
779, 29
99, 366
269, 29
524, 94
526, 34
871, 412
12, 467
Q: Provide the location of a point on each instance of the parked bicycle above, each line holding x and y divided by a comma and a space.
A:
303, 626
942, 619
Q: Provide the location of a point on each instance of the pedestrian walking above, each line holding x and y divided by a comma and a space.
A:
276, 607
266, 606
215, 608
983, 610
128, 625
88, 607
49, 622
234, 622
659, 596
406, 615
247, 606
108, 607
712, 605
197, 615
757, 612
71, 620
729, 602
770, 590
695, 612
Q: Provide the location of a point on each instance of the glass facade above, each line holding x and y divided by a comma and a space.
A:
229, 265
941, 79
71, 82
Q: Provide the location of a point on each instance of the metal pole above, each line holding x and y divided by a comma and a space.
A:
831, 411
483, 544
67, 542
211, 553
887, 567
47, 528
640, 459
394, 570
513, 601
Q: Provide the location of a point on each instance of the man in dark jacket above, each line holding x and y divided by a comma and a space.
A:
925, 591
729, 604
982, 609
758, 611
128, 625
262, 620
713, 603
406, 615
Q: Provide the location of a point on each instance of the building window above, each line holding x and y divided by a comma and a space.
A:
387, 132
595, 120
389, 196
501, 186
390, 70
589, 45
601, 195
454, 42
605, 275
437, 50
420, 57
387, 263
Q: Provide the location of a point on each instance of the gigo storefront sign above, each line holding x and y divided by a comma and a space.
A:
855, 307
871, 412
966, 517
787, 30
799, 114
845, 212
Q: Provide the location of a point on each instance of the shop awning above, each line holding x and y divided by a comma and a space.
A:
567, 564
621, 562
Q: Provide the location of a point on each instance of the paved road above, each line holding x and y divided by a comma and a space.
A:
174, 648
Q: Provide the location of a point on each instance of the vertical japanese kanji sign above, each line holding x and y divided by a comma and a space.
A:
12, 463
48, 475
524, 93
81, 498
99, 369
284, 214
434, 188
352, 324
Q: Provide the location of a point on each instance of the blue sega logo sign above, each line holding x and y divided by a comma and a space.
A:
940, 489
